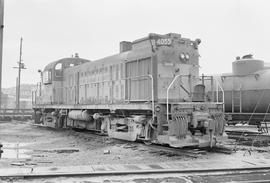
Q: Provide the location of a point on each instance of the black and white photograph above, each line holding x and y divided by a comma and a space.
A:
134, 91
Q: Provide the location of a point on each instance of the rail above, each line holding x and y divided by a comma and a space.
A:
139, 169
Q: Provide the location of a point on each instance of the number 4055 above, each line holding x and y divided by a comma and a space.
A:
164, 42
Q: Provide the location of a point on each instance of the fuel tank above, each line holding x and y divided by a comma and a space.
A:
247, 88
79, 115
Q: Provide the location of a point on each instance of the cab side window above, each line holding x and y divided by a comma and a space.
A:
58, 70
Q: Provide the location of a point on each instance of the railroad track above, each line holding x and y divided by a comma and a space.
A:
248, 135
244, 175
191, 171
193, 152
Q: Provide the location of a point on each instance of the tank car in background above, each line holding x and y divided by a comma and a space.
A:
247, 90
150, 91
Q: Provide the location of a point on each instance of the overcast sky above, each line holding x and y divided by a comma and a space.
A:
54, 29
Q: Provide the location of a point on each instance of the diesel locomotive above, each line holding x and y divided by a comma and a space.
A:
151, 91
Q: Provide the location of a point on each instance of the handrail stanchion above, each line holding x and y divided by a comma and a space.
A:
170, 85
217, 92
152, 92
223, 94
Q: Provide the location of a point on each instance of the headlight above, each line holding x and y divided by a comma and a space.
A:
187, 56
206, 124
182, 56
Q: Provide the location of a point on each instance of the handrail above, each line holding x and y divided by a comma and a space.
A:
167, 103
104, 81
153, 100
217, 96
126, 78
223, 97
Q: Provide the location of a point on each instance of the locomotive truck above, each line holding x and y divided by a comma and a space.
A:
151, 91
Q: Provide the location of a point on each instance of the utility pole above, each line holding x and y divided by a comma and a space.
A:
1, 44
18, 81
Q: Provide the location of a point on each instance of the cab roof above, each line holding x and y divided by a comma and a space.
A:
74, 60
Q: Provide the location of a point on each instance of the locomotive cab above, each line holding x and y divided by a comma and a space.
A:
51, 85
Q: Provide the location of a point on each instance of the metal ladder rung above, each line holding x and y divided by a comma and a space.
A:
236, 100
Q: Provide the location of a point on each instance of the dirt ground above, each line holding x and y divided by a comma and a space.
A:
29, 145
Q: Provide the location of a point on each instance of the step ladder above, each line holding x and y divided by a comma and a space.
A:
237, 100
177, 123
165, 125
